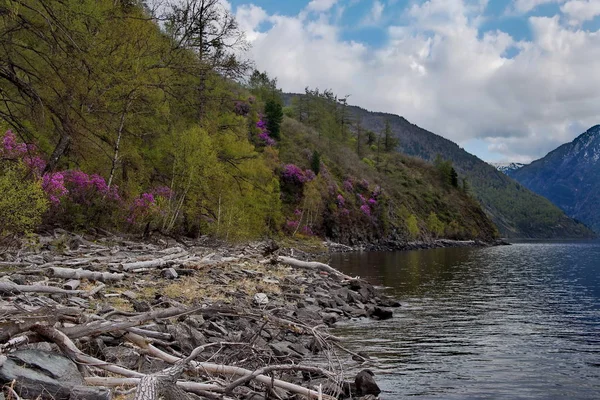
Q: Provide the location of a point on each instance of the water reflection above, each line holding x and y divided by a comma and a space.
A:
520, 321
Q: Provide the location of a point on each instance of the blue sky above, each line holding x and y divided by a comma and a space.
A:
509, 80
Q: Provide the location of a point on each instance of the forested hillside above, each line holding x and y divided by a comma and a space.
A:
517, 211
114, 117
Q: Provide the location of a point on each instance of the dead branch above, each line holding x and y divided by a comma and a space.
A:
79, 273
312, 265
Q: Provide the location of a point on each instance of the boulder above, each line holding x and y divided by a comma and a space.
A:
365, 383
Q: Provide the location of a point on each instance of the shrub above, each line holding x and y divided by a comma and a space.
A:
22, 202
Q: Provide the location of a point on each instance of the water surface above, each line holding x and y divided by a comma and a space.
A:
510, 322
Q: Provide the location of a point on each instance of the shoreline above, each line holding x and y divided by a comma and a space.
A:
246, 306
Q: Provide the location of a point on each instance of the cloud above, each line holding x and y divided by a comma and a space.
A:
525, 6
580, 11
375, 14
441, 72
320, 5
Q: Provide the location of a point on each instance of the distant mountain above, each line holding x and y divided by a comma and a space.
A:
517, 212
570, 177
507, 168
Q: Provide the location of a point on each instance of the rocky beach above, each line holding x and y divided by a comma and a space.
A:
108, 317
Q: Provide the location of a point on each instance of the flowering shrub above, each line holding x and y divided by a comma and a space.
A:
348, 186
294, 174
84, 188
53, 185
150, 206
365, 209
363, 184
264, 133
241, 108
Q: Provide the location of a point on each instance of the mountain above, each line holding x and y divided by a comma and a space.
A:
507, 168
570, 177
517, 211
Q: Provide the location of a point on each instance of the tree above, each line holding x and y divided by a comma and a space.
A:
264, 87
207, 28
389, 141
315, 162
434, 225
274, 114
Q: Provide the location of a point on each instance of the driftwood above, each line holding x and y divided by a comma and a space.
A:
10, 287
68, 273
98, 327
226, 370
157, 263
312, 265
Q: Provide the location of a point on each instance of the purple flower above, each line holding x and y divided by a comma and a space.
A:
365, 209
35, 163
344, 212
267, 140
9, 142
309, 175
163, 191
348, 186
372, 201
293, 173
54, 186
297, 211
340, 200
364, 184
306, 230
361, 198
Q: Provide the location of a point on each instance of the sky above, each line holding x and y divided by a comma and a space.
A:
508, 80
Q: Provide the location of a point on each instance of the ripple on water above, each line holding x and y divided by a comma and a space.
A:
519, 321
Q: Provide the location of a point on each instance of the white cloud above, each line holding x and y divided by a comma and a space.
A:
320, 5
525, 6
442, 73
375, 14
580, 11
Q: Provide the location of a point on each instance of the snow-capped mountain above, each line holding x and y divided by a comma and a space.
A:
507, 168
569, 176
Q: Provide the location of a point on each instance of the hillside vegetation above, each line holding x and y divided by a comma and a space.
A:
516, 211
112, 120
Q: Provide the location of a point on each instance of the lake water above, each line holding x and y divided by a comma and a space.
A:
508, 322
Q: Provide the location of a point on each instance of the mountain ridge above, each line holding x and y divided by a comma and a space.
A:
517, 211
569, 177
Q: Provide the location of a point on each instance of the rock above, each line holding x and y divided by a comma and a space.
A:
365, 383
169, 273
40, 372
380, 313
284, 349
123, 356
329, 318
261, 299
388, 302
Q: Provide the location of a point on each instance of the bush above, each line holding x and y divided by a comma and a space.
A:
22, 203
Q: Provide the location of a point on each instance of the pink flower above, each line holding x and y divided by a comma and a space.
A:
372, 201
54, 186
365, 209
348, 186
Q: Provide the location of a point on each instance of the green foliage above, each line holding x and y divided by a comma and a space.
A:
315, 162
369, 162
274, 114
434, 225
412, 226
22, 202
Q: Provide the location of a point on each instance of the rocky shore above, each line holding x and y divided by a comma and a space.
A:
110, 318
398, 245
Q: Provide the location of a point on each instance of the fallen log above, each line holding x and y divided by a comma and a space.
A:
10, 287
103, 326
314, 265
79, 273
225, 369
158, 263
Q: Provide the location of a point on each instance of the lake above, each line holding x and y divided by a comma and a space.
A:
507, 322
